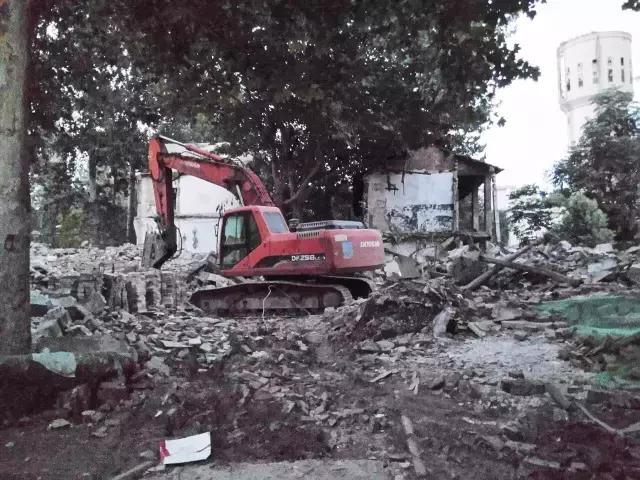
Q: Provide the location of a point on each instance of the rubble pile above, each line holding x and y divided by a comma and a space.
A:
589, 265
393, 310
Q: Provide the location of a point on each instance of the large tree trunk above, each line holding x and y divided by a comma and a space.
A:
15, 221
131, 207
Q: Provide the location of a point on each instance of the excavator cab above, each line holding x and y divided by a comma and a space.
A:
239, 237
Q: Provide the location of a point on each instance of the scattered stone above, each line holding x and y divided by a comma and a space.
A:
59, 424
101, 432
368, 346
96, 303
157, 364
436, 383
385, 345
148, 455
520, 335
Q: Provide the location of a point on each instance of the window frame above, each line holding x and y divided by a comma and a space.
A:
250, 236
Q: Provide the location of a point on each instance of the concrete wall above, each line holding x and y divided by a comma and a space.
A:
588, 65
417, 202
199, 206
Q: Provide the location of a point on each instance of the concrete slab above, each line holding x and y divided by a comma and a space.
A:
304, 469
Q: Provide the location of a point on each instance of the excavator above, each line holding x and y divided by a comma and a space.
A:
303, 266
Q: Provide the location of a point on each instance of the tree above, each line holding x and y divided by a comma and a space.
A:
310, 89
530, 212
604, 164
313, 90
15, 322
583, 222
632, 5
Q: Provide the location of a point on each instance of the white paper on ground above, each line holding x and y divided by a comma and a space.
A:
184, 450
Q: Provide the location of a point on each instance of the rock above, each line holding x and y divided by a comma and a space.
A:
520, 335
503, 314
493, 442
206, 347
100, 432
79, 330
157, 364
522, 387
512, 432
65, 302
385, 345
436, 383
476, 330
48, 329
59, 314
92, 416
443, 322
95, 303
148, 455
368, 346
59, 424
194, 342
79, 400
516, 374
556, 394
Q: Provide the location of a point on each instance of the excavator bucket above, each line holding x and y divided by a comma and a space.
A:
156, 250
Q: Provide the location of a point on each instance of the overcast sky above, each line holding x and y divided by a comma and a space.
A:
535, 135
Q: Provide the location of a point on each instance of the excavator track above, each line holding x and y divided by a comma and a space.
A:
270, 297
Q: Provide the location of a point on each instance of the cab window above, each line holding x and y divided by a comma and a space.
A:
240, 235
275, 222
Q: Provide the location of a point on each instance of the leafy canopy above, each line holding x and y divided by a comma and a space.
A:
604, 164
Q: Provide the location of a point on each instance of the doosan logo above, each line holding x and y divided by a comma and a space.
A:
370, 244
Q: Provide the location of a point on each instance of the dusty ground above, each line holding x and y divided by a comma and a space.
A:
293, 396
339, 387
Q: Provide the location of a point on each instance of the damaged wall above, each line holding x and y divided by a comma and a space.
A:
413, 202
199, 205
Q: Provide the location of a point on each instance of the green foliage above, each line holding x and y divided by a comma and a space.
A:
530, 213
631, 5
604, 164
316, 92
583, 222
72, 229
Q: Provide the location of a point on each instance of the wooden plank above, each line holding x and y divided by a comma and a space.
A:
481, 279
531, 269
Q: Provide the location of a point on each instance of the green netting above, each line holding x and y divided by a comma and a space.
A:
598, 314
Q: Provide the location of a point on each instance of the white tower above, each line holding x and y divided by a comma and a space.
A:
588, 65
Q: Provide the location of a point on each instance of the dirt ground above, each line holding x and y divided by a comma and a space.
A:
287, 392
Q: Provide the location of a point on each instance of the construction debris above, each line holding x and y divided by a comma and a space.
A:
512, 358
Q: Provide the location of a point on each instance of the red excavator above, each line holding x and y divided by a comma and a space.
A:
310, 268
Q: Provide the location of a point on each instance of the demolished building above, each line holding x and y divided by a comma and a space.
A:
431, 196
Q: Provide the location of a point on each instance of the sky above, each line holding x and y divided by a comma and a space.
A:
535, 135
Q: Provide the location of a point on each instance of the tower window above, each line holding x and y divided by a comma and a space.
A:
594, 71
568, 79
580, 76
610, 69
622, 77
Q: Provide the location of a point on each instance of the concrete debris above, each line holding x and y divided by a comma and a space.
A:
59, 424
122, 352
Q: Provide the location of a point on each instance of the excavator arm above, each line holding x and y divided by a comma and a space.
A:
194, 161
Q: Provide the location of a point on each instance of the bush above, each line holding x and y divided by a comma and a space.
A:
583, 222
